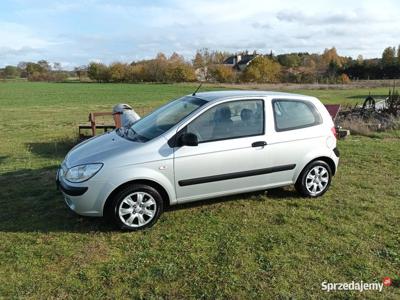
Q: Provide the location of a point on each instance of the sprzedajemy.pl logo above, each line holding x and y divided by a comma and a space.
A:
360, 286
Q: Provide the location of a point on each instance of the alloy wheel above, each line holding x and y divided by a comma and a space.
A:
317, 180
137, 209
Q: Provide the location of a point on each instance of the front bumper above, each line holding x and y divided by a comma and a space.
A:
86, 199
70, 190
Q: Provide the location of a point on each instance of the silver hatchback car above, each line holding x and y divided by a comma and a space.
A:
201, 146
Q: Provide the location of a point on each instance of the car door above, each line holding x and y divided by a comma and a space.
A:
231, 156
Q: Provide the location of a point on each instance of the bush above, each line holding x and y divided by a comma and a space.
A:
262, 70
48, 76
222, 73
180, 72
357, 126
135, 73
11, 72
118, 72
393, 102
99, 72
344, 79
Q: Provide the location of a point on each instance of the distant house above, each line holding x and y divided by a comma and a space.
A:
201, 73
240, 61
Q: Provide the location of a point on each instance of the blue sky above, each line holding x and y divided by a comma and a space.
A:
76, 32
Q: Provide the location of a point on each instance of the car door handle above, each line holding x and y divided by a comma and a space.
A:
259, 144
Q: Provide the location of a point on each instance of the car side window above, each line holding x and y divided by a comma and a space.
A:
294, 114
229, 120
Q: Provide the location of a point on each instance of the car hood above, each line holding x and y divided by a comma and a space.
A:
100, 149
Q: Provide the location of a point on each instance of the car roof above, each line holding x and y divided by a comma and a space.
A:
219, 95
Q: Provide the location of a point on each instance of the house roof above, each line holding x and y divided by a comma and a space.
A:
246, 59
230, 60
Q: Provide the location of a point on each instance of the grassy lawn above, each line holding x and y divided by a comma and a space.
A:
261, 245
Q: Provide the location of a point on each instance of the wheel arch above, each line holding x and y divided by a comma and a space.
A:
163, 192
329, 161
326, 159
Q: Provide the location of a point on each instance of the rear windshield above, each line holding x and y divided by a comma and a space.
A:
164, 118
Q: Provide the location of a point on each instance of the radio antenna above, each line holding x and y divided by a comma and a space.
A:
194, 94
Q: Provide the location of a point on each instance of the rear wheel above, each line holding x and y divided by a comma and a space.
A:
315, 179
136, 207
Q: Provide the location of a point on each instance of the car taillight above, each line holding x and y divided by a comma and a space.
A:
333, 129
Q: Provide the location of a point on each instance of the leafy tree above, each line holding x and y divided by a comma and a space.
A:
333, 69
135, 72
222, 73
161, 69
289, 60
388, 56
218, 57
57, 66
11, 72
262, 69
155, 69
205, 58
330, 55
176, 58
118, 72
93, 71
309, 62
398, 55
58, 76
44, 65
161, 56
201, 63
22, 67
198, 61
81, 72
99, 72
34, 69
344, 79
180, 72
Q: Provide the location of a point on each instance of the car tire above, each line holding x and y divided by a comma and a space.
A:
314, 180
135, 207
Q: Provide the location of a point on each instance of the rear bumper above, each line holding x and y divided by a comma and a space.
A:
335, 157
336, 151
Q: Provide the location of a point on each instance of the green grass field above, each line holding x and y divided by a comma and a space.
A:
261, 245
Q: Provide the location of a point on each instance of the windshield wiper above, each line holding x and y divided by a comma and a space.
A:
133, 131
134, 136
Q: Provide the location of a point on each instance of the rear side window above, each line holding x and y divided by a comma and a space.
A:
229, 120
294, 114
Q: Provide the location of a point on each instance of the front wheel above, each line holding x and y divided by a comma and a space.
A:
315, 179
136, 207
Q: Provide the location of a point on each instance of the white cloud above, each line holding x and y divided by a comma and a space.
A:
76, 31
15, 36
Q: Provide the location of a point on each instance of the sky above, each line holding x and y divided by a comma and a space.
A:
76, 32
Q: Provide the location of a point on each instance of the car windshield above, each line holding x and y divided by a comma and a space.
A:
164, 118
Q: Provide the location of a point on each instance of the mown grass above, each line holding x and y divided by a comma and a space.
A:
260, 245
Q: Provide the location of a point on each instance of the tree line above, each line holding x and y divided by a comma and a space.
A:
35, 71
159, 69
206, 65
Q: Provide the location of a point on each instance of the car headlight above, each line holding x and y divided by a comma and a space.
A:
82, 173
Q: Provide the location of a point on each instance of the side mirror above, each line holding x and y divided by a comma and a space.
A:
188, 139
